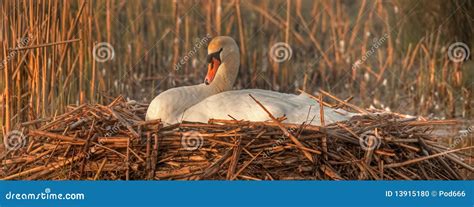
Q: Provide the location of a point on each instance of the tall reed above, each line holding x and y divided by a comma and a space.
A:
408, 72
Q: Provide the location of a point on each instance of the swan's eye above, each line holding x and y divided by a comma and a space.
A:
213, 63
215, 55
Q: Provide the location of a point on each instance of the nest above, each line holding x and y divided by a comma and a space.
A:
113, 142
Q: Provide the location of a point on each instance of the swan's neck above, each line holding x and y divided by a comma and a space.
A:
182, 99
227, 73
224, 81
197, 93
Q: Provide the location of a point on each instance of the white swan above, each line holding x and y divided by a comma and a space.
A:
215, 99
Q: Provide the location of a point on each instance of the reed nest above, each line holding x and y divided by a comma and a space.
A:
113, 142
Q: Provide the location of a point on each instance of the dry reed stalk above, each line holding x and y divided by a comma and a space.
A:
285, 131
42, 77
340, 33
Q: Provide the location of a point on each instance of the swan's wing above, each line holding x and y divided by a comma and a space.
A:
237, 104
170, 104
241, 106
310, 112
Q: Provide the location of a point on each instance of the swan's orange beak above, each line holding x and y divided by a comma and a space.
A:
212, 67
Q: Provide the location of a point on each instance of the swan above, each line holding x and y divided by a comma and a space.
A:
215, 99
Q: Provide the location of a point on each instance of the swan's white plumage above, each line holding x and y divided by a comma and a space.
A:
199, 103
238, 104
170, 105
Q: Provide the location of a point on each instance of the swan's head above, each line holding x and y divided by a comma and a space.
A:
223, 60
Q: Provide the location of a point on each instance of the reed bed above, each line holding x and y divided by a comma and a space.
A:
47, 62
409, 71
112, 142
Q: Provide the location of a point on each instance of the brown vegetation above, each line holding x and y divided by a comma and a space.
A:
399, 48
113, 142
